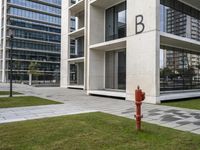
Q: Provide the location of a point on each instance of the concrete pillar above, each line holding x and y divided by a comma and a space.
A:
30, 79
96, 73
64, 43
95, 58
143, 48
4, 42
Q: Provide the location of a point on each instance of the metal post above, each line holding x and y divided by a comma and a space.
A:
11, 65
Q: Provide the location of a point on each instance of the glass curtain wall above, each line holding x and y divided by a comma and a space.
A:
34, 15
180, 19
179, 69
116, 69
33, 25
36, 6
116, 22
36, 30
58, 2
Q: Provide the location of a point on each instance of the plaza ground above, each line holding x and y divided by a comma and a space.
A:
92, 131
77, 101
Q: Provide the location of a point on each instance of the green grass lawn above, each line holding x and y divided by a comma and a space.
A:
189, 103
6, 102
92, 131
8, 92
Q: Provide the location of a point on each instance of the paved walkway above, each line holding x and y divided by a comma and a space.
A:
76, 101
37, 112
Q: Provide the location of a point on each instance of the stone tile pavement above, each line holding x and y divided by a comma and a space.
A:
28, 113
76, 101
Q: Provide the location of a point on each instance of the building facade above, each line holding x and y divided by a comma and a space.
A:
36, 27
120, 44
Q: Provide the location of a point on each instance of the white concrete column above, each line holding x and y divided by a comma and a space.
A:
30, 79
85, 43
4, 42
143, 49
1, 50
96, 72
0, 24
65, 43
95, 63
76, 24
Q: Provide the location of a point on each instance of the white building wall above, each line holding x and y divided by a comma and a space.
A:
64, 44
85, 43
77, 10
143, 50
3, 79
0, 23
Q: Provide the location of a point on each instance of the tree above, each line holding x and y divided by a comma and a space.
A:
189, 72
166, 72
32, 70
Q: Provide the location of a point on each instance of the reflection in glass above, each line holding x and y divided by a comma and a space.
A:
116, 22
34, 25
179, 69
77, 48
36, 6
34, 15
180, 19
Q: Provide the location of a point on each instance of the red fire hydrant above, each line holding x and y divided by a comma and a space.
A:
139, 97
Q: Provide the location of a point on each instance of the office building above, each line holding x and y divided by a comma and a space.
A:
120, 44
36, 27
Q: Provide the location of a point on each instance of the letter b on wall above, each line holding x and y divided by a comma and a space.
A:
139, 28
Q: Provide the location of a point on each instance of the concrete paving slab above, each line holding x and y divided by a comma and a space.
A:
188, 127
196, 131
77, 101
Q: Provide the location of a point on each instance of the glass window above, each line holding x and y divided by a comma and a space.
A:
37, 6
77, 47
179, 19
22, 44
116, 22
116, 69
33, 25
34, 15
179, 69
77, 74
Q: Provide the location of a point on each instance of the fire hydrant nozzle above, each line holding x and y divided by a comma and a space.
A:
139, 97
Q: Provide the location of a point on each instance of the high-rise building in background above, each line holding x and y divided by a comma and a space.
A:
36, 26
